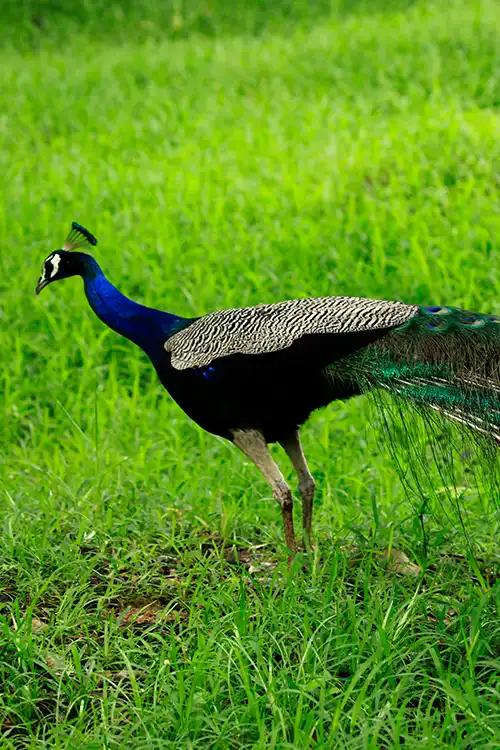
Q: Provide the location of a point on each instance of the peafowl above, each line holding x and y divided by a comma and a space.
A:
253, 375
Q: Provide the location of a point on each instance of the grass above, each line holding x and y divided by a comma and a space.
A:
265, 152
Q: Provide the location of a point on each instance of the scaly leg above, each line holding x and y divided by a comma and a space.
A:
291, 444
253, 445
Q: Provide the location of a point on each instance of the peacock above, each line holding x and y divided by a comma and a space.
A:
253, 375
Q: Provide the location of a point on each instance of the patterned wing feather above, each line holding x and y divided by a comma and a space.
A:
270, 328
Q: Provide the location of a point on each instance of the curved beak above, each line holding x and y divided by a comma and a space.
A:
42, 283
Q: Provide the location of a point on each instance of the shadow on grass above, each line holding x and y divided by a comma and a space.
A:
31, 21
129, 623
134, 590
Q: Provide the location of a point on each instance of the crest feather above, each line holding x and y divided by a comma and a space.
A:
78, 237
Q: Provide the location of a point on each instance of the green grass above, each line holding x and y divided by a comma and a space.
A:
236, 155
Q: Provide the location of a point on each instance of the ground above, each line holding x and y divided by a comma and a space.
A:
229, 155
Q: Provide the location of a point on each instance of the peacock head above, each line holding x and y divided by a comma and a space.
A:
61, 264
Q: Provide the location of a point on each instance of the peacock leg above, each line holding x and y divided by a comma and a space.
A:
253, 445
293, 448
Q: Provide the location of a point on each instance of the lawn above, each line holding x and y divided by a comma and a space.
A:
224, 155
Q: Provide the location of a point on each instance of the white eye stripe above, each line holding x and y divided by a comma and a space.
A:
55, 260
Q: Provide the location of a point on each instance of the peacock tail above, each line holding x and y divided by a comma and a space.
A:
443, 359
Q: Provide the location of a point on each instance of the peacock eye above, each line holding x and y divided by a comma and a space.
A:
432, 310
475, 323
437, 310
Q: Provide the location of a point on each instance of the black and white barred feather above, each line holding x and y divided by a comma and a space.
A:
273, 327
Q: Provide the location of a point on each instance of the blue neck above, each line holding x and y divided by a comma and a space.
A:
145, 326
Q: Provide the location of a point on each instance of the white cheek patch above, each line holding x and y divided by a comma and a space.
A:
55, 260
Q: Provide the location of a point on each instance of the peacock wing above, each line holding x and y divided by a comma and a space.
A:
271, 328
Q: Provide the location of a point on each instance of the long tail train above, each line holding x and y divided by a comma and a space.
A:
443, 359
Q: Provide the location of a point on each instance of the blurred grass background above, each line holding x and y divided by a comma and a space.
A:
228, 154
39, 20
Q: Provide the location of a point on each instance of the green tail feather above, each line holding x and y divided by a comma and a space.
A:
443, 359
436, 383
